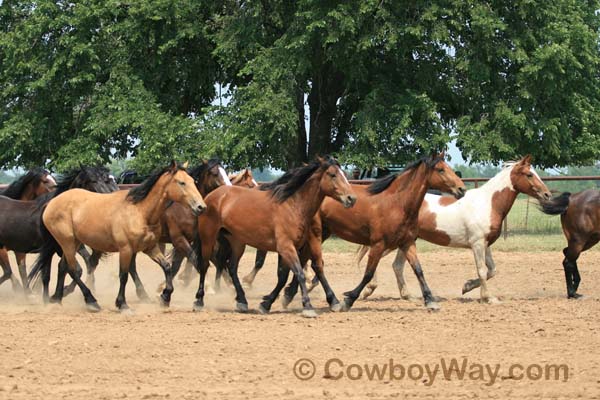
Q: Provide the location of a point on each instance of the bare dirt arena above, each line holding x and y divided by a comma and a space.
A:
66, 353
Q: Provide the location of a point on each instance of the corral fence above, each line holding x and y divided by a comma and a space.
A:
525, 216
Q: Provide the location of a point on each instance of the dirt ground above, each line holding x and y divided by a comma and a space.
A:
63, 352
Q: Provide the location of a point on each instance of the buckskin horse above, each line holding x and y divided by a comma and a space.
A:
36, 182
123, 222
385, 217
580, 220
473, 222
275, 218
20, 230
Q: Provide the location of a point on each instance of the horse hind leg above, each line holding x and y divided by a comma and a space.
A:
23, 272
259, 262
237, 250
572, 276
7, 272
69, 250
491, 272
140, 291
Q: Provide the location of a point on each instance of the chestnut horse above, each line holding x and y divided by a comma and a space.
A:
473, 222
385, 218
275, 218
580, 220
21, 220
36, 182
123, 222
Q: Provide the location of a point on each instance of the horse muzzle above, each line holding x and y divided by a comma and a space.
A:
459, 193
198, 208
348, 200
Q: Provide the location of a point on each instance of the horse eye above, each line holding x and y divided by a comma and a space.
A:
530, 175
332, 175
181, 183
441, 170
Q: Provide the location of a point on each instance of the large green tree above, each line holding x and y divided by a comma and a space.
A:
372, 81
83, 81
382, 81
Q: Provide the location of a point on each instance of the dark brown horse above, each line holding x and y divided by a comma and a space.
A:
580, 219
21, 220
385, 218
275, 218
36, 182
123, 222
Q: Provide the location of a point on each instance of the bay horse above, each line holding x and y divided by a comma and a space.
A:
20, 230
36, 182
385, 217
580, 220
473, 222
123, 222
275, 218
178, 224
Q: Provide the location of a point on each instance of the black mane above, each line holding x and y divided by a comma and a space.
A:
382, 184
284, 187
197, 171
70, 179
16, 188
141, 191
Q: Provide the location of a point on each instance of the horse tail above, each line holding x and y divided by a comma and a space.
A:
556, 205
44, 260
197, 248
360, 254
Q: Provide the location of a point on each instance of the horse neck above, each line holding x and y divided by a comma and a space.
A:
155, 203
410, 188
500, 184
309, 197
28, 194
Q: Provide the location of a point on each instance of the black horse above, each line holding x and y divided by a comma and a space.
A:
20, 230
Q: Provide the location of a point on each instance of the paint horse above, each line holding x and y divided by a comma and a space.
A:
474, 221
36, 182
385, 218
275, 218
123, 222
580, 220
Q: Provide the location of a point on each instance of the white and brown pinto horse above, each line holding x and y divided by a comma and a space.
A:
473, 222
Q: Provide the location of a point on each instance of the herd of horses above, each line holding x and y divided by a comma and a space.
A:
209, 216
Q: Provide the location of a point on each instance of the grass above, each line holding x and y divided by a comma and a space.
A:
522, 243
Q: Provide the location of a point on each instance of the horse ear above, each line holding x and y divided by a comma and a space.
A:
526, 160
185, 164
442, 154
173, 166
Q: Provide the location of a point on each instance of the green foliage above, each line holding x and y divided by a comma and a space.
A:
371, 81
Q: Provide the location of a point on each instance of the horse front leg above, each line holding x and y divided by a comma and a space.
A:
237, 250
479, 254
289, 257
491, 272
283, 272
140, 290
158, 257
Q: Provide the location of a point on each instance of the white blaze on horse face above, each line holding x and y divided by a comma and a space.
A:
343, 175
254, 182
225, 177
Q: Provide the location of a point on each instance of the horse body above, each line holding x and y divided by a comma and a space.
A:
123, 222
275, 218
473, 222
580, 220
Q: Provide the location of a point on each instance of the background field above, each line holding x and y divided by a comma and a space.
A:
62, 352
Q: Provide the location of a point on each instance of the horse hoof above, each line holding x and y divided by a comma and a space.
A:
163, 302
433, 306
337, 307
197, 307
285, 302
262, 309
490, 300
126, 311
241, 307
309, 314
575, 296
144, 298
93, 307
346, 306
55, 300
